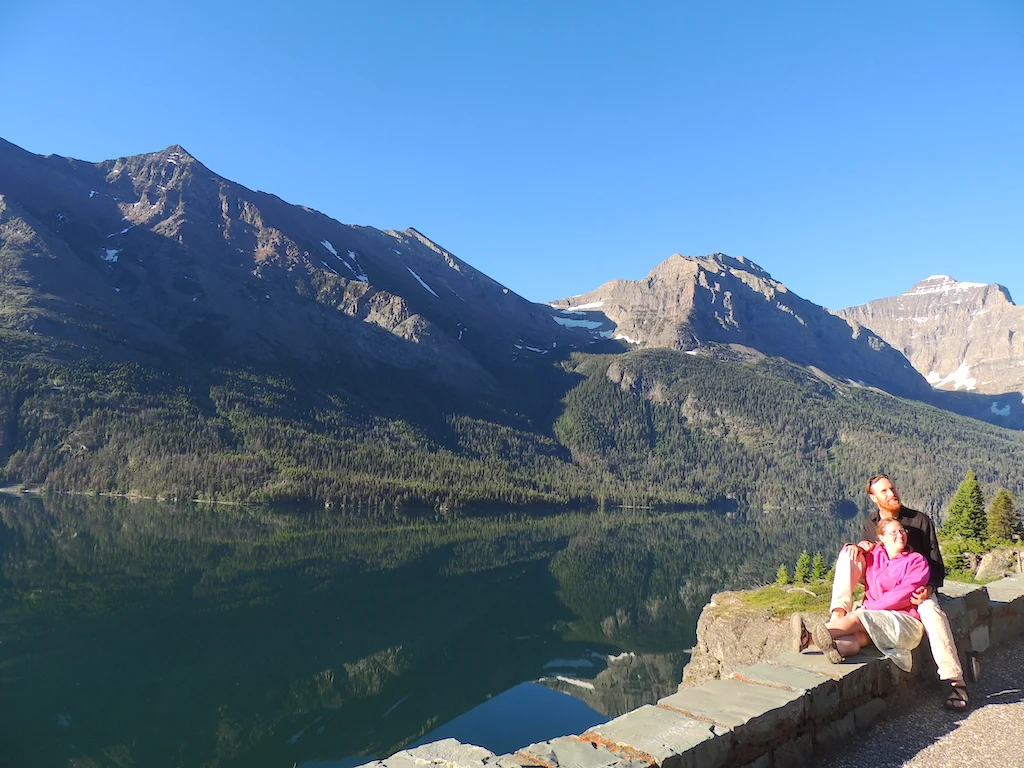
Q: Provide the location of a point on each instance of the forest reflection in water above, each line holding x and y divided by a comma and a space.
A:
144, 634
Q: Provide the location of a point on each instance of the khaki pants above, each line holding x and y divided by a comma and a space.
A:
850, 572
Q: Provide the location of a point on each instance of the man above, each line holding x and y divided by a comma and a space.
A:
921, 538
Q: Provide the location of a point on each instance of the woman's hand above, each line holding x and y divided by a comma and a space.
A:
853, 551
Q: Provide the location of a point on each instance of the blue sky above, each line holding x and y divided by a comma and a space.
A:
851, 149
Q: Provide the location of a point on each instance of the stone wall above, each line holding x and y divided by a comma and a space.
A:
770, 713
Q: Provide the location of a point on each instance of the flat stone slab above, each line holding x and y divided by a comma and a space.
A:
731, 703
510, 761
653, 734
1005, 590
450, 752
775, 676
816, 662
954, 589
392, 762
572, 752
866, 673
446, 753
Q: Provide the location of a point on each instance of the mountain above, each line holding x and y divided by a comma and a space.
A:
167, 332
693, 303
959, 335
154, 256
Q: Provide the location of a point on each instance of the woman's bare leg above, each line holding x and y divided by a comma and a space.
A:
848, 645
845, 625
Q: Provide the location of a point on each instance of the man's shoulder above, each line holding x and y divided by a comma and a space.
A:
915, 517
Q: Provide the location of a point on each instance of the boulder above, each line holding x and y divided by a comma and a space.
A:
999, 562
731, 634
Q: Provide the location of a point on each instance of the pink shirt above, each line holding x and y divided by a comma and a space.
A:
890, 583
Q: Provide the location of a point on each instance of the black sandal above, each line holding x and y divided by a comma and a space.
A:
958, 699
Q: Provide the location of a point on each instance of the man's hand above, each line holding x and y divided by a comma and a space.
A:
867, 546
920, 595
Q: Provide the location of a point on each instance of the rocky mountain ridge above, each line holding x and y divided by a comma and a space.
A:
156, 256
959, 335
694, 303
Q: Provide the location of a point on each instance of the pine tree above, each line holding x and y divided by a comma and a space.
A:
802, 572
818, 567
966, 514
782, 576
1002, 517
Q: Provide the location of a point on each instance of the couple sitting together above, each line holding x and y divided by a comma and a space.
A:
901, 566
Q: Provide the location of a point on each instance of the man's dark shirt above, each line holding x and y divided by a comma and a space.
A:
920, 538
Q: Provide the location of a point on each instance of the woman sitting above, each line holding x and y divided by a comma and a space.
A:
886, 618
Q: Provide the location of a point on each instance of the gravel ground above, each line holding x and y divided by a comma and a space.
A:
921, 734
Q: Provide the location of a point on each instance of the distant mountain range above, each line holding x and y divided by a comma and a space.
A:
153, 312
967, 336
699, 303
939, 339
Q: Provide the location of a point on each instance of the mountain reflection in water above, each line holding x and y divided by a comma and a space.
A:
144, 634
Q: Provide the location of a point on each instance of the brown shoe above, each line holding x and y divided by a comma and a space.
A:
823, 640
800, 637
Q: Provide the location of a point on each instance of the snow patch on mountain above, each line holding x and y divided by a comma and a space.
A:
572, 323
959, 378
327, 244
357, 270
941, 284
420, 281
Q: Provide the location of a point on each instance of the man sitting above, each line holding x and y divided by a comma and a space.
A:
921, 538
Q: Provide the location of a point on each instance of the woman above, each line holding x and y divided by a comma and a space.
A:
886, 618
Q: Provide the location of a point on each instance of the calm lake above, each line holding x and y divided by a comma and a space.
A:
150, 635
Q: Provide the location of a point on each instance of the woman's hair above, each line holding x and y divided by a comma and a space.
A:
880, 528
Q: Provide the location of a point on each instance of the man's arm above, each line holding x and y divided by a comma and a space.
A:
869, 530
934, 556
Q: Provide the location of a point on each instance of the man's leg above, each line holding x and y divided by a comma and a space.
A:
849, 573
940, 638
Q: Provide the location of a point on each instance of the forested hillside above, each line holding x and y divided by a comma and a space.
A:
638, 428
768, 432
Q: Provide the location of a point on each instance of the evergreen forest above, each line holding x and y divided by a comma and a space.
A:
638, 428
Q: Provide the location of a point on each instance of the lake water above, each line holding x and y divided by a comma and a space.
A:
143, 634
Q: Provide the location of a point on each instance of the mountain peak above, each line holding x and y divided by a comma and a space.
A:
957, 334
177, 149
941, 284
719, 262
